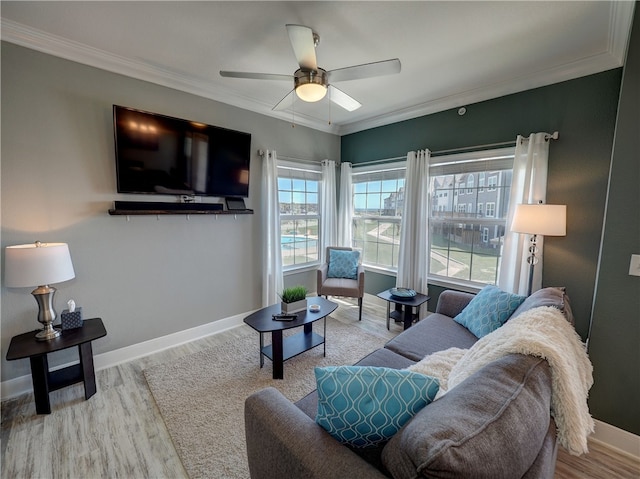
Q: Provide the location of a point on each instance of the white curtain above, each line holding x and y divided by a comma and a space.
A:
413, 263
345, 211
273, 282
528, 186
328, 208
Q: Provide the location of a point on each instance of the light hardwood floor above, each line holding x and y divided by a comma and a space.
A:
119, 432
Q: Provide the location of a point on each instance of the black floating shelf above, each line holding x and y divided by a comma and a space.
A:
117, 212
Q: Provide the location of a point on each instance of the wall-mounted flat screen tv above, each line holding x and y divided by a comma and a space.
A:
157, 154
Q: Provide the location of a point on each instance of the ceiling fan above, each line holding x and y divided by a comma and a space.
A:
310, 82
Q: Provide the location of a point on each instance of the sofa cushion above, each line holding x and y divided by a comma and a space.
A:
343, 264
492, 425
489, 310
551, 296
366, 406
434, 333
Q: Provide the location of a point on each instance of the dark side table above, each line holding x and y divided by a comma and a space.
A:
44, 381
404, 307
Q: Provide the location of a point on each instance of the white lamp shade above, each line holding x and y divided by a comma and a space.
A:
28, 265
540, 219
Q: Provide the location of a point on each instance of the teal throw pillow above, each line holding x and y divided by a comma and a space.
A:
343, 264
489, 310
365, 406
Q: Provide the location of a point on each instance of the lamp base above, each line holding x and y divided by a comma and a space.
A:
48, 334
46, 314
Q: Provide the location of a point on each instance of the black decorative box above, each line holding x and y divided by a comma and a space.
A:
71, 320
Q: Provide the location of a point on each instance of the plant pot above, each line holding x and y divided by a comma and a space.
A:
294, 307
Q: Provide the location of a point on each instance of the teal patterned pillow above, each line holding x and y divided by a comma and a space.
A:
365, 406
343, 264
489, 310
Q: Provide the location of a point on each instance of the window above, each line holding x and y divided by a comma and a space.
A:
298, 195
465, 244
491, 209
378, 200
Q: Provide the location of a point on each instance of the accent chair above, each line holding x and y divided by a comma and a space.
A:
342, 275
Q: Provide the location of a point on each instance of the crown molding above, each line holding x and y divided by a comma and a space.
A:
620, 19
24, 36
567, 71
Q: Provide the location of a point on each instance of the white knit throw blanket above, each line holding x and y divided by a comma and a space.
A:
542, 332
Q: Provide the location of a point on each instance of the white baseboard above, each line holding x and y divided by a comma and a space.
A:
619, 439
23, 384
616, 438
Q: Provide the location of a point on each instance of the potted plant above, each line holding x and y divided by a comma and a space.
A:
294, 299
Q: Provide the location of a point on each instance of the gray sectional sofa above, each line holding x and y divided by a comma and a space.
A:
496, 424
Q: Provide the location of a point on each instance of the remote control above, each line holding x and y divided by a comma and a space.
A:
285, 317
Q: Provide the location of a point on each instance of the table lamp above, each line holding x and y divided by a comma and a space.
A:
539, 219
39, 264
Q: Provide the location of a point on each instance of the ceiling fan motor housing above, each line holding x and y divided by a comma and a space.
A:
311, 85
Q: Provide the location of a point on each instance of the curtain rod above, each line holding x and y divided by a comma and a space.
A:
291, 158
548, 136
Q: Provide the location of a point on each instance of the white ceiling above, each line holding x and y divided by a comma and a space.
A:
452, 53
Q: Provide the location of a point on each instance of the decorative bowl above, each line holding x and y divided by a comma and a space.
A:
403, 293
314, 308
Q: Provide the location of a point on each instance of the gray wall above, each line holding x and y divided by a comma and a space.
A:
615, 337
584, 112
145, 277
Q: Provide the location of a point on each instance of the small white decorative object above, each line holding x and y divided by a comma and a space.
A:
71, 305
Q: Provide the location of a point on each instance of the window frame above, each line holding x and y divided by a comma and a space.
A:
314, 170
475, 219
396, 220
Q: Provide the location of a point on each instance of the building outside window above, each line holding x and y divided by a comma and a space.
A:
465, 244
298, 195
378, 200
465, 237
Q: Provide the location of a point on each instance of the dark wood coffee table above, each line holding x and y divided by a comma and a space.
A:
281, 349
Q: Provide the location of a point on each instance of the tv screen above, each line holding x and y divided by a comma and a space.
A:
157, 154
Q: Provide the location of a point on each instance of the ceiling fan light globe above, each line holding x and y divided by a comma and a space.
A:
311, 92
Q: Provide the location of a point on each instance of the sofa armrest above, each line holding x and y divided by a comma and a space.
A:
451, 302
282, 441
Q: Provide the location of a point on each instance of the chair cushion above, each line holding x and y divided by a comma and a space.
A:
365, 406
343, 264
489, 310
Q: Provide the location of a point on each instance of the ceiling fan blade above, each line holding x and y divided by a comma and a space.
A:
256, 76
366, 70
340, 98
304, 46
285, 103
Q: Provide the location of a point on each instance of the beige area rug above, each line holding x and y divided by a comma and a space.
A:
201, 396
